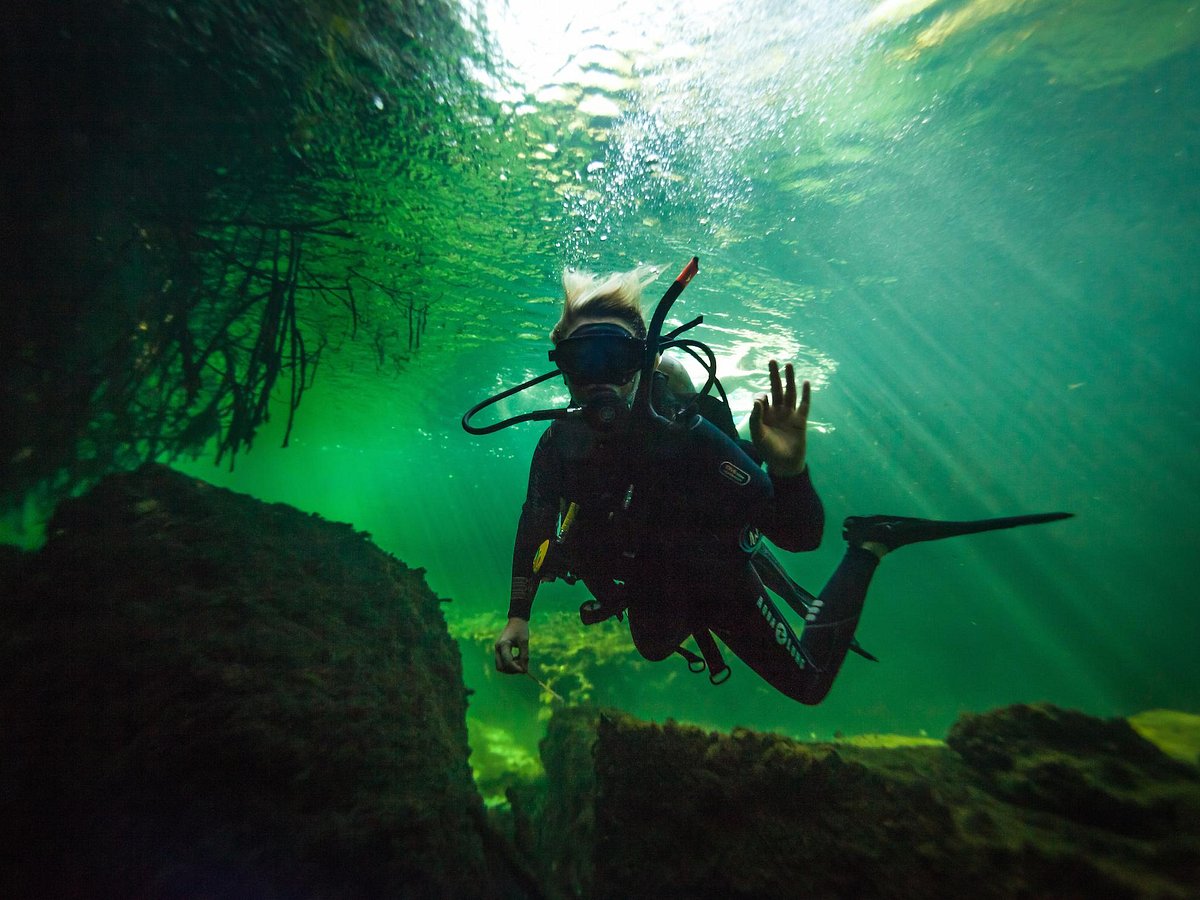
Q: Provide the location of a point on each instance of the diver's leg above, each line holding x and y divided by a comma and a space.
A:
749, 623
805, 670
830, 624
802, 668
833, 617
755, 630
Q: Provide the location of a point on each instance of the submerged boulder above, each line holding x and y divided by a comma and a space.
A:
206, 695
1027, 801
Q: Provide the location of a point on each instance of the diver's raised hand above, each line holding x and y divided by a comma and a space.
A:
514, 636
778, 424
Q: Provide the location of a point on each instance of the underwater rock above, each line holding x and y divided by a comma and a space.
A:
207, 695
1096, 773
563, 833
1027, 801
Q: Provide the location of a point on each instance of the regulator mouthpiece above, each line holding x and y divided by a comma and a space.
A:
604, 410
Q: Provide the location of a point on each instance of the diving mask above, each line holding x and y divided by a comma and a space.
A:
599, 353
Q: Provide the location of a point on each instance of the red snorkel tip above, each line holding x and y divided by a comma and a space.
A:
688, 273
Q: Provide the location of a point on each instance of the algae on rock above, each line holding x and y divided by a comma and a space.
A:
578, 664
1022, 801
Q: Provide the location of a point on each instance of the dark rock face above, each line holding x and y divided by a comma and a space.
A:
205, 695
1024, 802
1095, 773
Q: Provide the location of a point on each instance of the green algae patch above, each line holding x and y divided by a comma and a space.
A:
498, 760
573, 664
1176, 733
890, 741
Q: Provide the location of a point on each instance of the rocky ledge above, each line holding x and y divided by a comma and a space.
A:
203, 695
1026, 801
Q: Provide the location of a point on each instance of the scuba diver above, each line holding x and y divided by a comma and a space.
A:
643, 490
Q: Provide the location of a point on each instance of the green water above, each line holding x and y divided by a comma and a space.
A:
973, 225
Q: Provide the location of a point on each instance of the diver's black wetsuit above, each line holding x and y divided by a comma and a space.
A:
675, 562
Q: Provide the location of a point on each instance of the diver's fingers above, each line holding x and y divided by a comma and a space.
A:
789, 392
805, 400
756, 416
522, 660
504, 658
776, 384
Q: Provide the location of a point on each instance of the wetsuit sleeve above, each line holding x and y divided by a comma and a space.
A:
795, 520
539, 519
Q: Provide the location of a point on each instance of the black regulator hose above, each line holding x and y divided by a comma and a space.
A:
540, 415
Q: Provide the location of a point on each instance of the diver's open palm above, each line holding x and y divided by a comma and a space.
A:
778, 424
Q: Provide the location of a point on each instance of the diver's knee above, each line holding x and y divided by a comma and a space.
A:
654, 650
812, 693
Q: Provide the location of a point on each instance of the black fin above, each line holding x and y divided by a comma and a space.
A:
897, 531
857, 648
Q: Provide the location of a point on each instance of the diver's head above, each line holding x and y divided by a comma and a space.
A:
599, 341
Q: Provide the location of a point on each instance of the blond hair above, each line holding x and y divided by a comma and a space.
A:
615, 296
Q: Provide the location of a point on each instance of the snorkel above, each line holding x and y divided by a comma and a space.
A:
603, 413
643, 405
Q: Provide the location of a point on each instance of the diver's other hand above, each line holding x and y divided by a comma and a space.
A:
778, 424
515, 636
